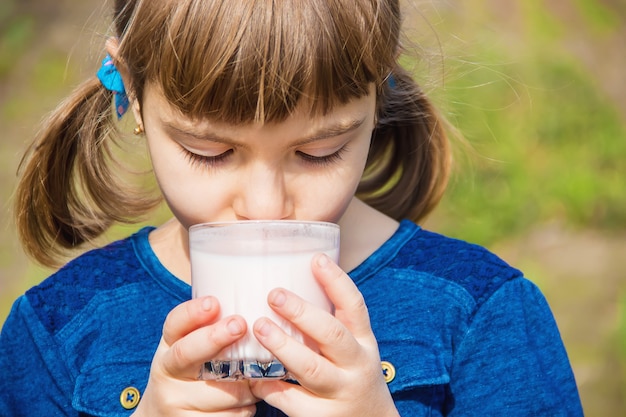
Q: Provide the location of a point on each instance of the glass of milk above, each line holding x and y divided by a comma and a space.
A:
239, 263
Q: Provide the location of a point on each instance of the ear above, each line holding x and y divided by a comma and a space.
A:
112, 47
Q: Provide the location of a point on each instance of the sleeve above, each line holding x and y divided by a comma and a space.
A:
34, 381
512, 360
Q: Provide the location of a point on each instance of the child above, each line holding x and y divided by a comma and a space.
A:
265, 110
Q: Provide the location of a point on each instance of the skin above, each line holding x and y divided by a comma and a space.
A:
303, 168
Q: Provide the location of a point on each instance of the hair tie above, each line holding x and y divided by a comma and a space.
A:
391, 81
112, 80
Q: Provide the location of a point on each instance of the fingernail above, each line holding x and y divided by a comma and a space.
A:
264, 328
234, 327
207, 304
322, 260
278, 298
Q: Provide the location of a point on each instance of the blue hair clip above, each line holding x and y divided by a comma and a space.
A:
112, 80
391, 81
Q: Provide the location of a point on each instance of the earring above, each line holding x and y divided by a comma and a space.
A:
138, 130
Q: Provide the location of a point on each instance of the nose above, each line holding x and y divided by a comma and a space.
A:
263, 195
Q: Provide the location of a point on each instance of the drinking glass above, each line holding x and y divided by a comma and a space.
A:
239, 263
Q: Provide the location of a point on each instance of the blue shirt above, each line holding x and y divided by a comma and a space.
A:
466, 334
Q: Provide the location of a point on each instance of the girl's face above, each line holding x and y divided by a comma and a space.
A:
303, 168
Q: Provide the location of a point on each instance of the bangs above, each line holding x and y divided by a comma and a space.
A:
247, 60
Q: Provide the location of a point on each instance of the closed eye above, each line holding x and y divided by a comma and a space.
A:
206, 161
322, 160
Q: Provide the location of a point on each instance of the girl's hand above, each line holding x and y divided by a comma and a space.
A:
191, 336
345, 378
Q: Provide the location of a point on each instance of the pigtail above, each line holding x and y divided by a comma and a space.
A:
409, 162
68, 192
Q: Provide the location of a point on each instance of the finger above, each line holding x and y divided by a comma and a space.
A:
189, 316
184, 358
220, 398
313, 371
197, 398
287, 397
350, 307
334, 340
249, 411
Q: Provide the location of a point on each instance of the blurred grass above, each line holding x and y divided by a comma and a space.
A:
598, 16
16, 32
548, 144
555, 158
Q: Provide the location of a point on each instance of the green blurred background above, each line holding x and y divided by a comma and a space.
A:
537, 88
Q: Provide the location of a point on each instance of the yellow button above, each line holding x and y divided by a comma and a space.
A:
129, 398
389, 371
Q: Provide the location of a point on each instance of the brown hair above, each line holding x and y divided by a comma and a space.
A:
235, 61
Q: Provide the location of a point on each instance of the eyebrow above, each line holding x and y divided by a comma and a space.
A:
333, 130
330, 131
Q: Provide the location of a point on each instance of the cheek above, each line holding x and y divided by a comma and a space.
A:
191, 198
328, 197
193, 203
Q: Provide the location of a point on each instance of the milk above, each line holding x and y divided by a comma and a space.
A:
241, 267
